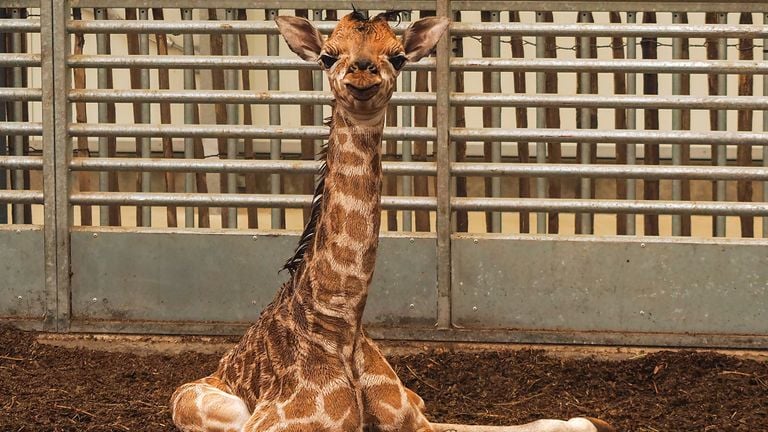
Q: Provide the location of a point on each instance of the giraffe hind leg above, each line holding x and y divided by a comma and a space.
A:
206, 405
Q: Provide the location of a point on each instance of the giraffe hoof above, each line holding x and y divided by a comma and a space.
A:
601, 425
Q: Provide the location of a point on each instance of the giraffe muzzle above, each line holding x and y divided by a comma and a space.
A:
363, 94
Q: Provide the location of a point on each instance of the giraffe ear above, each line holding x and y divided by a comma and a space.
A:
302, 37
421, 37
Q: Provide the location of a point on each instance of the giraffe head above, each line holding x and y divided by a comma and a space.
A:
362, 57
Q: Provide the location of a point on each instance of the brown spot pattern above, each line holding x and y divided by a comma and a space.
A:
339, 403
302, 405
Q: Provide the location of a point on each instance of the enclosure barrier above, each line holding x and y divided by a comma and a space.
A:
567, 190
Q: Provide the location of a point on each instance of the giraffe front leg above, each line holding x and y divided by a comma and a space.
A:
389, 406
581, 424
207, 405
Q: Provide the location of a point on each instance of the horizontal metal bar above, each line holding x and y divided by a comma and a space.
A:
195, 27
231, 200
21, 162
10, 94
492, 5
420, 98
595, 65
28, 25
457, 28
457, 64
617, 136
20, 60
205, 62
231, 166
21, 128
425, 133
609, 30
552, 135
268, 4
646, 172
21, 3
719, 208
426, 203
228, 131
21, 197
405, 168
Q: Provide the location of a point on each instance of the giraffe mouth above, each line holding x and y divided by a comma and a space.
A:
363, 94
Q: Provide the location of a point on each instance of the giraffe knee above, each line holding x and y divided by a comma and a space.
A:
415, 399
202, 407
184, 411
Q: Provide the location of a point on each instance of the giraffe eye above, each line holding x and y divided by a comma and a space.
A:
397, 61
328, 61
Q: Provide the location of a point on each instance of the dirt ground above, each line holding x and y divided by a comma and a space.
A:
49, 388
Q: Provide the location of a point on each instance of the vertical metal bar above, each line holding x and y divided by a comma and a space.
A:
585, 120
273, 83
744, 192
146, 176
651, 189
620, 119
407, 112
677, 123
541, 148
495, 123
230, 83
443, 78
521, 122
103, 83
765, 128
722, 119
631, 123
57, 150
189, 118
18, 115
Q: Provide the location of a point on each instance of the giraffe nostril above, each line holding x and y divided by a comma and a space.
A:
364, 65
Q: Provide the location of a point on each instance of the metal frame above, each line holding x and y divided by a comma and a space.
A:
57, 130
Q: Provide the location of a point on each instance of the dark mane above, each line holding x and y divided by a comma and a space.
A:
391, 15
293, 263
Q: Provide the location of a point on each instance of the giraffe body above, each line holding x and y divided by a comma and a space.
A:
306, 364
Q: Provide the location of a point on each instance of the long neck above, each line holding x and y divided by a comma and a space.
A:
339, 264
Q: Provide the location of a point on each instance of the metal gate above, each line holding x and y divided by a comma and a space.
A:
559, 172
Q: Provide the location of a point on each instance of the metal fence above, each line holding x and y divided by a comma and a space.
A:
588, 172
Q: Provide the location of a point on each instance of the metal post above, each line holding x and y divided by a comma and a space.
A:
677, 122
631, 122
3, 138
57, 151
102, 82
443, 78
541, 147
146, 177
765, 127
273, 83
407, 150
585, 120
189, 118
230, 83
18, 115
